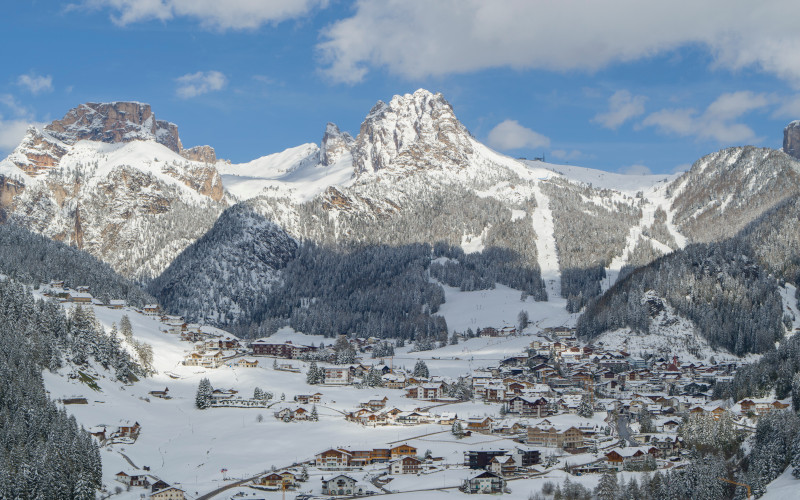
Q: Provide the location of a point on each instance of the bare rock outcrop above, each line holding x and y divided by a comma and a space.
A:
791, 139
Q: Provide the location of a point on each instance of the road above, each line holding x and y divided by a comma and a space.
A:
624, 430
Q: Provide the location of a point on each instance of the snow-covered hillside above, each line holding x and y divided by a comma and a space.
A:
188, 447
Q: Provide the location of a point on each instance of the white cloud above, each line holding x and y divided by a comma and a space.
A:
228, 14
683, 167
36, 83
509, 134
561, 154
622, 106
12, 130
635, 170
788, 108
717, 122
419, 38
195, 84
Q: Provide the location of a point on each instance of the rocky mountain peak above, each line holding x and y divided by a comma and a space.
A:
205, 154
791, 139
335, 144
412, 132
114, 122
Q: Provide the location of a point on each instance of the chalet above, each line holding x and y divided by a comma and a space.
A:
152, 309
670, 426
375, 404
503, 465
341, 485
308, 398
289, 414
338, 375
210, 359
402, 450
128, 430
170, 493
428, 391
525, 456
286, 349
380, 455
191, 336
247, 363
394, 381
479, 424
221, 343
446, 418
405, 465
509, 427
79, 297
131, 480
160, 394
480, 459
333, 459
485, 482
284, 480
667, 446
411, 418
550, 437
614, 460
116, 304
158, 485
495, 393
519, 360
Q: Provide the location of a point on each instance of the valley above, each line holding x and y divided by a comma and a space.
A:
397, 312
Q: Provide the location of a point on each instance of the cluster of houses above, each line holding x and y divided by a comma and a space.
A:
346, 458
159, 490
126, 432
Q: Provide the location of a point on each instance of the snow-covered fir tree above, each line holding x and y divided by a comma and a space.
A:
204, 394
585, 409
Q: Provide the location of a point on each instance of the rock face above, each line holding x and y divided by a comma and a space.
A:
134, 204
415, 131
205, 154
114, 122
37, 152
791, 139
335, 144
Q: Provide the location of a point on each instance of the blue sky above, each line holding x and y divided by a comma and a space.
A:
620, 85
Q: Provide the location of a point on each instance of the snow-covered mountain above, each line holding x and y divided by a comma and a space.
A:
113, 180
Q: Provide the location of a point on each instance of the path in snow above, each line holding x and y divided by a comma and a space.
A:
546, 243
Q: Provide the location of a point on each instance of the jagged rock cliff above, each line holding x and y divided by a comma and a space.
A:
109, 178
791, 139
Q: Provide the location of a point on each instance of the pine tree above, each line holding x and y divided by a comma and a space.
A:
585, 409
796, 392
314, 415
125, 327
607, 488
454, 339
795, 462
258, 393
204, 394
522, 320
314, 375
421, 370
457, 429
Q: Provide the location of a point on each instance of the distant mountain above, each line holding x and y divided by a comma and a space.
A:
111, 179
726, 190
